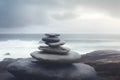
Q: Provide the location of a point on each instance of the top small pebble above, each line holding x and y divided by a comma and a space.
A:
52, 35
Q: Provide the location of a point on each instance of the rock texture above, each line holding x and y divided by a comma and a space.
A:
105, 62
109, 70
5, 63
27, 68
4, 74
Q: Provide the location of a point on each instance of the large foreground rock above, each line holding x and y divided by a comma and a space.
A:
4, 74
106, 63
7, 76
5, 63
27, 69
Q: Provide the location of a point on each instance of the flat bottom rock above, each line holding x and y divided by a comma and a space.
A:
28, 69
71, 57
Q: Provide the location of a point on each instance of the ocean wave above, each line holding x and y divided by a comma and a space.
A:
17, 48
22, 48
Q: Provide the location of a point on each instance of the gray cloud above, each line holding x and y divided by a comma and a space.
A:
19, 13
111, 6
64, 16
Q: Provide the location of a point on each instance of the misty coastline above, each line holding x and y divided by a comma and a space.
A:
21, 45
100, 52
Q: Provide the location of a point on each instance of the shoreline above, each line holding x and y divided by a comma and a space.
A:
105, 62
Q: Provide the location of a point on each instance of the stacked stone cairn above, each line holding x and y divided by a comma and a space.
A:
52, 62
54, 52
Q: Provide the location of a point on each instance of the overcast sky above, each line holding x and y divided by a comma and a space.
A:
61, 16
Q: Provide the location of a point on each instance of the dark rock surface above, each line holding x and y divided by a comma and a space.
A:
28, 69
4, 74
51, 39
105, 62
52, 35
5, 63
102, 56
7, 76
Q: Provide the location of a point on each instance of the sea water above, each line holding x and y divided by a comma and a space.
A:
21, 45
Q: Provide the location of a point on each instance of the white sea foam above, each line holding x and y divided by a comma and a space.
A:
86, 47
17, 48
23, 48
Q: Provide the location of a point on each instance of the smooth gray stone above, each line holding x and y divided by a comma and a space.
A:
26, 69
56, 44
55, 50
7, 54
52, 35
51, 39
71, 57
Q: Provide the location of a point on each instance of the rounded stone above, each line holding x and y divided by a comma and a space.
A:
52, 35
26, 69
71, 57
51, 39
55, 50
56, 44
